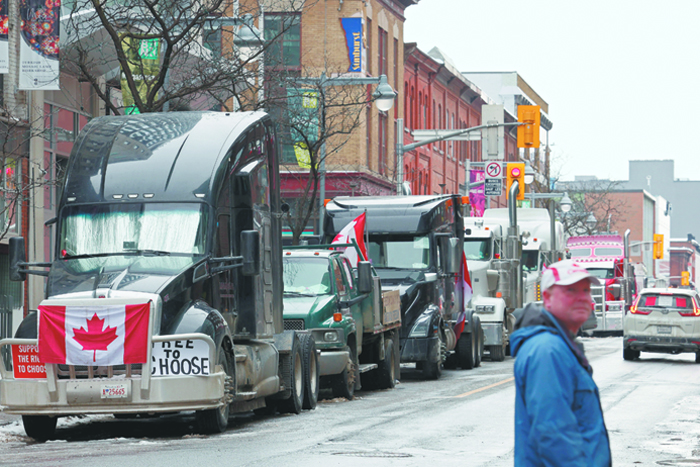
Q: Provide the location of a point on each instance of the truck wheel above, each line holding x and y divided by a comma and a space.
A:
478, 332
386, 373
312, 379
215, 420
498, 352
466, 351
39, 427
432, 368
697, 357
295, 401
629, 354
343, 385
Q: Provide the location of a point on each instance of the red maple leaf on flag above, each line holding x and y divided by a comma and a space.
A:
95, 338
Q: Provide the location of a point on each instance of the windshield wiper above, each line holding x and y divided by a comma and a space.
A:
299, 294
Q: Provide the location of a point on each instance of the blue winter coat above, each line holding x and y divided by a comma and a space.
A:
558, 417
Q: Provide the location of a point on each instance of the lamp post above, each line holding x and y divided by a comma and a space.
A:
384, 97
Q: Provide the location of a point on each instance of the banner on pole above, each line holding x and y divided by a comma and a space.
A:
353, 37
143, 57
4, 47
38, 46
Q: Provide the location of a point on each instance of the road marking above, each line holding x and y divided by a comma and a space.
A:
486, 387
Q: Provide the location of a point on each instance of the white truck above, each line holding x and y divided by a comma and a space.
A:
494, 271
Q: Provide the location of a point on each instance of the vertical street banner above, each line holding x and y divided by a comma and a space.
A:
353, 38
303, 110
38, 45
4, 47
477, 196
143, 58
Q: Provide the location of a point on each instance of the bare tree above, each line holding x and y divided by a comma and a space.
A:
595, 206
167, 54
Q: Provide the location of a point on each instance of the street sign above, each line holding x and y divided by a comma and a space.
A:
494, 170
493, 187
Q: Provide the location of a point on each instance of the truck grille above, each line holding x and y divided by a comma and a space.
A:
293, 324
83, 372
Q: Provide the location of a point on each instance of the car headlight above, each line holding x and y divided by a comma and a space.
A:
421, 327
330, 336
485, 308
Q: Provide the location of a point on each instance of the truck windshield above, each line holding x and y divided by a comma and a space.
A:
602, 273
478, 249
306, 276
134, 227
529, 260
403, 253
578, 252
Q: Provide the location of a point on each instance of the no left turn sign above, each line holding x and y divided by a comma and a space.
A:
494, 170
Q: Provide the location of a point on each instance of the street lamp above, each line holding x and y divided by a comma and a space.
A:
591, 221
384, 97
529, 176
565, 203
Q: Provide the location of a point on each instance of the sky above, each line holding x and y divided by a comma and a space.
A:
621, 77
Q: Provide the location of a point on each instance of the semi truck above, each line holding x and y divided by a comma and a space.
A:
607, 257
495, 268
415, 244
354, 323
166, 281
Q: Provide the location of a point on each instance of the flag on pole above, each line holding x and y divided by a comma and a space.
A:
104, 335
465, 285
355, 230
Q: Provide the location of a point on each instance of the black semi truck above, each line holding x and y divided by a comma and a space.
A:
415, 243
178, 213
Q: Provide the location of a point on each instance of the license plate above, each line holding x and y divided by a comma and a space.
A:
114, 391
663, 329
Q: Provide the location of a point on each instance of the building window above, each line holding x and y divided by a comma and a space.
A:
283, 30
383, 51
382, 143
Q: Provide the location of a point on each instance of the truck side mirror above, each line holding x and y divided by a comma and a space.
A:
16, 256
364, 276
615, 290
250, 247
452, 259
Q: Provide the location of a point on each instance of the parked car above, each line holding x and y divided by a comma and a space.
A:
663, 320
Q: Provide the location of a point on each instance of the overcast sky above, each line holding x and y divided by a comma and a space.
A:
621, 77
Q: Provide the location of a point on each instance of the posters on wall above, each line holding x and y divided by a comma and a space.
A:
353, 38
39, 48
303, 112
4, 50
477, 199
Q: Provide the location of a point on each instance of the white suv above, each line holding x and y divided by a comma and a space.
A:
663, 320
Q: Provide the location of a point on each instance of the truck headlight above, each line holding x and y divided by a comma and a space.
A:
330, 336
421, 327
485, 308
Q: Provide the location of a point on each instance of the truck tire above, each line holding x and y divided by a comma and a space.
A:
312, 379
343, 385
629, 354
479, 333
386, 373
39, 427
432, 368
466, 351
498, 352
294, 369
215, 420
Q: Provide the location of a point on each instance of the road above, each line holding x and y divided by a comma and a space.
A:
651, 406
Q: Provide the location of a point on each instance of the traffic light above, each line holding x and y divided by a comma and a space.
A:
685, 278
658, 246
516, 171
529, 134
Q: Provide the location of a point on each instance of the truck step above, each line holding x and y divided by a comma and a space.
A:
241, 357
246, 395
365, 367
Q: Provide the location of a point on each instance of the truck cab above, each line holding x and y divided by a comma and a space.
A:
415, 245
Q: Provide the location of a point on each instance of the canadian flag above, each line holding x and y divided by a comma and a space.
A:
464, 283
355, 230
102, 335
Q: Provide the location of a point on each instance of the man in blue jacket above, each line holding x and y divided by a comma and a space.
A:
558, 417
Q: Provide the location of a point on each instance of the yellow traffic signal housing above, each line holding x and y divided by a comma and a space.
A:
685, 278
529, 134
516, 171
658, 246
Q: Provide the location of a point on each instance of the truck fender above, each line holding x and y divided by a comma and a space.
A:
28, 327
197, 316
